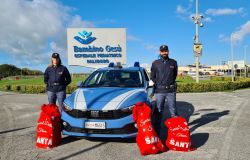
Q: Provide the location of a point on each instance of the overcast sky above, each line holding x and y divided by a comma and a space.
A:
32, 29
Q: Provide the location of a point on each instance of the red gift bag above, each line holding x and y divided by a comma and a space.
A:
146, 139
178, 134
48, 127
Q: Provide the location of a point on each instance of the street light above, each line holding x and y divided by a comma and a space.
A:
232, 57
245, 57
197, 21
21, 73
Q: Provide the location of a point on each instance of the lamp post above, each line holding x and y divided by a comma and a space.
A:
197, 45
232, 55
21, 73
245, 58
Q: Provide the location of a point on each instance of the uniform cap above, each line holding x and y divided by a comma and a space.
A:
55, 55
163, 48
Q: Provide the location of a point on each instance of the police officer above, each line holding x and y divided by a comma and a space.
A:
163, 74
56, 78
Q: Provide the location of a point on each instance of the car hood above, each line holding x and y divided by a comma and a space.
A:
105, 98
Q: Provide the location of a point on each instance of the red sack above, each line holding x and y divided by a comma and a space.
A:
178, 134
146, 139
48, 127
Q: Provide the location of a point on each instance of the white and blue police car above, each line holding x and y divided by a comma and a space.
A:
102, 105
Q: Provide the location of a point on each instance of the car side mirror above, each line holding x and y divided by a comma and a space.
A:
150, 88
150, 84
79, 84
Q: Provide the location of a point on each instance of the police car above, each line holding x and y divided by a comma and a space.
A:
102, 105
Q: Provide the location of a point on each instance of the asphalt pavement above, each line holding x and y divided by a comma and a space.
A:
219, 124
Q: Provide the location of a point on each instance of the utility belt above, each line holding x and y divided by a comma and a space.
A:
171, 86
55, 84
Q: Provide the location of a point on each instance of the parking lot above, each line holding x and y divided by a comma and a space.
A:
219, 124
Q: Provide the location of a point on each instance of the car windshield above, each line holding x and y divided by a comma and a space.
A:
114, 78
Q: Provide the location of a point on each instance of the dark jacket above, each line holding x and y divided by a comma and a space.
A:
164, 73
57, 78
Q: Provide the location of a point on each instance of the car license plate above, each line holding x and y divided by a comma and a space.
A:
95, 125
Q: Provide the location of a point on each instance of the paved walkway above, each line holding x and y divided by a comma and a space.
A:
219, 122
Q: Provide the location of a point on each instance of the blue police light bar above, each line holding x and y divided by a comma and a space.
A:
137, 64
111, 64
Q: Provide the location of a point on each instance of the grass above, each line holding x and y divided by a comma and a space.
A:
39, 81
34, 81
188, 79
186, 84
184, 80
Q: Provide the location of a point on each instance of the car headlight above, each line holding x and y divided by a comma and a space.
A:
66, 107
128, 109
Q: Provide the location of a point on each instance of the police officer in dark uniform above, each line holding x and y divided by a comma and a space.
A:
56, 78
163, 74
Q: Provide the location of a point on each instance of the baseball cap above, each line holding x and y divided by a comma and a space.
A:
55, 55
163, 48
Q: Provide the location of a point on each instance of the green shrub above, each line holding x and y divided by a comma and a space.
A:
228, 79
212, 86
34, 89
219, 78
181, 87
6, 87
184, 87
70, 89
15, 88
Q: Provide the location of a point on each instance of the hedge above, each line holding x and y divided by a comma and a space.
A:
32, 88
70, 89
25, 88
181, 88
212, 86
228, 79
